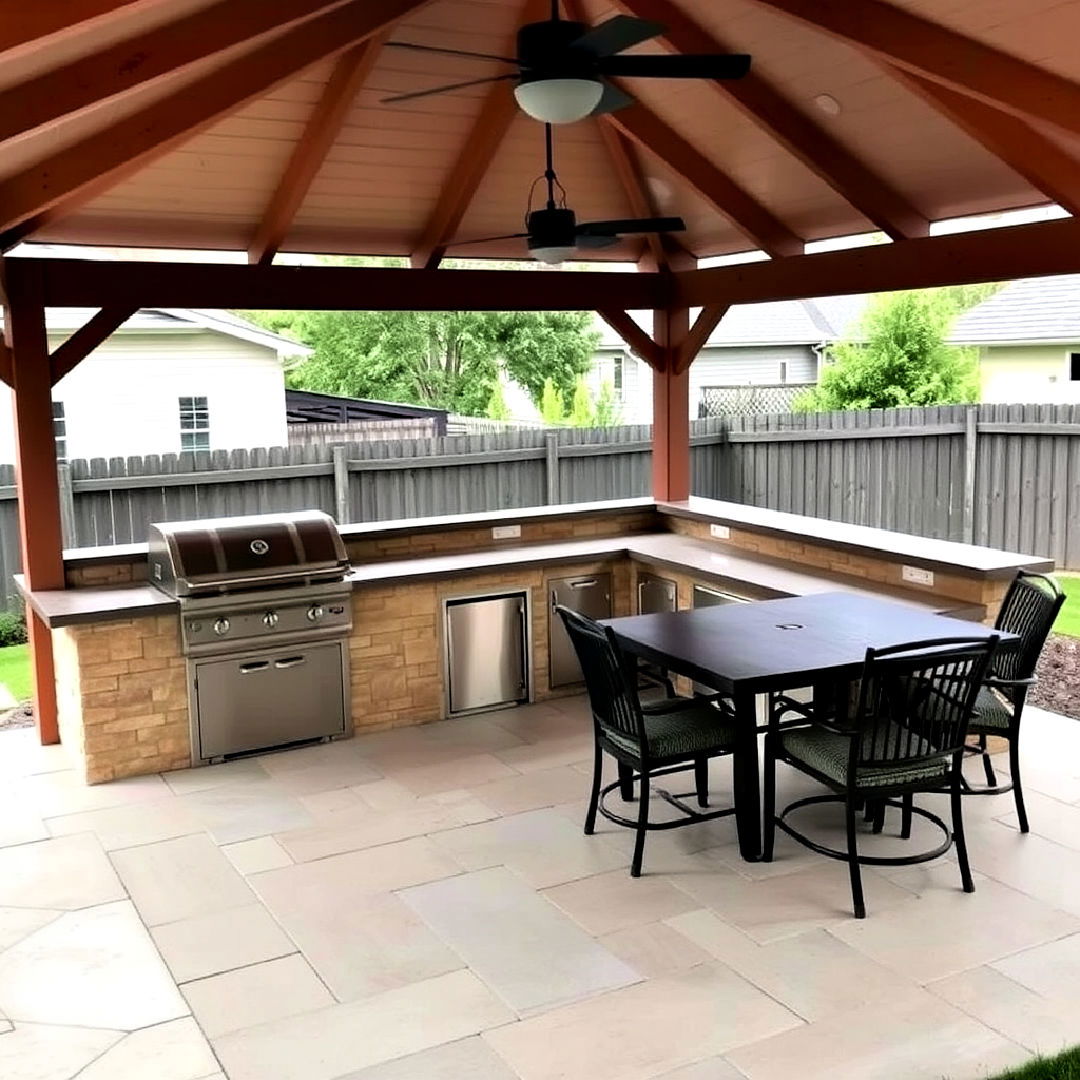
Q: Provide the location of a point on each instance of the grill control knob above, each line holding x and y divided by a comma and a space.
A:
221, 627
315, 612
270, 620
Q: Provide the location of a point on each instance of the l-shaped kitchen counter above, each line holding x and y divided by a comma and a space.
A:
122, 683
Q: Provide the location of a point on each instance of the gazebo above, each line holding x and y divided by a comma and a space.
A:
260, 126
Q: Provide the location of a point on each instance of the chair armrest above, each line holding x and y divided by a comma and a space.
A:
994, 681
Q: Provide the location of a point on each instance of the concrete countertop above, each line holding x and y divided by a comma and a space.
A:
758, 577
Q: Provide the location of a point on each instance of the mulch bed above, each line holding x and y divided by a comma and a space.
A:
1058, 688
21, 716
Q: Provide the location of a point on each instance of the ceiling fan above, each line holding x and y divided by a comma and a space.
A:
562, 66
554, 234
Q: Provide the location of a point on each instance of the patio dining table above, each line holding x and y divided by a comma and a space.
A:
748, 649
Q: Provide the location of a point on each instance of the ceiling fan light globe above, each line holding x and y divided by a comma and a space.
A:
552, 255
560, 100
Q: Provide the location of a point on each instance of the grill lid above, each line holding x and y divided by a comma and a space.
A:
226, 554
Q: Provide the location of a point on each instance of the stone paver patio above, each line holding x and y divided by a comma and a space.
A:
422, 904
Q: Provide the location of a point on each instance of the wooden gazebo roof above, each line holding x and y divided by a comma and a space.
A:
258, 125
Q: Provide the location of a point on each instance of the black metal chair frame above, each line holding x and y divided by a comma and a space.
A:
899, 660
642, 768
1029, 609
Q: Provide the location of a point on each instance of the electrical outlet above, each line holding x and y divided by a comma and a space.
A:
720, 532
917, 575
506, 532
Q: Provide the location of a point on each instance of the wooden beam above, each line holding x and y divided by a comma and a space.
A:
945, 56
637, 339
1050, 247
62, 182
91, 79
87, 338
7, 371
24, 24
1039, 160
812, 144
671, 410
706, 322
79, 283
323, 127
756, 222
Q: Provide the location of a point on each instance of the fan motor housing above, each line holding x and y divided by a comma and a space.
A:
552, 228
544, 49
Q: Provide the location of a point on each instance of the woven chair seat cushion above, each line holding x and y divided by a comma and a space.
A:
827, 752
681, 728
991, 713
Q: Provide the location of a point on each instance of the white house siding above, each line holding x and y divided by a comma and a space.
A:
123, 399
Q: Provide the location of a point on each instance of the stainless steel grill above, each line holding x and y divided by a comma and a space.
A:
265, 615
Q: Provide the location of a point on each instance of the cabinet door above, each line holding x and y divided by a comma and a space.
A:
655, 594
485, 641
590, 595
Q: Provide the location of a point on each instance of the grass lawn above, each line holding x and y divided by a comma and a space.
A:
1068, 622
15, 670
1066, 1066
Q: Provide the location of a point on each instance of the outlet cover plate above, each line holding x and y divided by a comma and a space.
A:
917, 575
506, 532
720, 532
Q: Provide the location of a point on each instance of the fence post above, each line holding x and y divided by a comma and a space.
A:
341, 483
551, 466
67, 505
971, 467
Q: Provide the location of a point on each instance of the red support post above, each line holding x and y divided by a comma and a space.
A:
671, 408
39, 491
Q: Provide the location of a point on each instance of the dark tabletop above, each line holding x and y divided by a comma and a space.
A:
775, 644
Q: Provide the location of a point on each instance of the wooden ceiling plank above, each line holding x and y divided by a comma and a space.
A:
1035, 250
759, 224
165, 49
943, 55
707, 321
1044, 164
810, 143
24, 24
480, 147
350, 73
637, 339
60, 183
66, 356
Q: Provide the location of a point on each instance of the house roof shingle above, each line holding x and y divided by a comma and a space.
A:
1031, 309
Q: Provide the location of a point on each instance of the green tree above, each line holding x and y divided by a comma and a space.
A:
901, 358
607, 408
552, 404
497, 409
582, 413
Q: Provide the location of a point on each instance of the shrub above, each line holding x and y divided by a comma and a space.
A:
12, 629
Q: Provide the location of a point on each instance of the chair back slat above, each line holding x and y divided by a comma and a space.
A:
916, 700
1029, 609
612, 694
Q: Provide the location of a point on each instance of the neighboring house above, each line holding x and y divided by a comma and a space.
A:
166, 381
1028, 337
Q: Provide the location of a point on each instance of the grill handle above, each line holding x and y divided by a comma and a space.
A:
254, 665
289, 662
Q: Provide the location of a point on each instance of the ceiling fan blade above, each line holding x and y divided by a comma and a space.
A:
617, 33
590, 243
449, 52
706, 66
628, 226
445, 89
612, 100
489, 239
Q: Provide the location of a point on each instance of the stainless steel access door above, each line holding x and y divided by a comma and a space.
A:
655, 594
485, 646
705, 596
268, 698
591, 595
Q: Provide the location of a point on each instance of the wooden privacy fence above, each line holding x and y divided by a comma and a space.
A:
1004, 476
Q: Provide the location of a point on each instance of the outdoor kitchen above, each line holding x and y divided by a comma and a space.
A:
229, 637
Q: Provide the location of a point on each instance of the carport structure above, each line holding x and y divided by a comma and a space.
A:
259, 126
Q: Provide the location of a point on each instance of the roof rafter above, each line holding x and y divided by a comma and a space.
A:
91, 79
810, 143
60, 183
943, 55
481, 145
1037, 250
348, 77
26, 23
748, 215
1043, 163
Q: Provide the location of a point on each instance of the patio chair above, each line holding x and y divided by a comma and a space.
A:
1029, 609
907, 735
668, 736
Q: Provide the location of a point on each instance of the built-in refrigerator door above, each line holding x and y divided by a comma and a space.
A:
591, 596
485, 645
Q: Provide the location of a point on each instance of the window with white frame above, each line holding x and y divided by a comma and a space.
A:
617, 375
59, 425
194, 423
